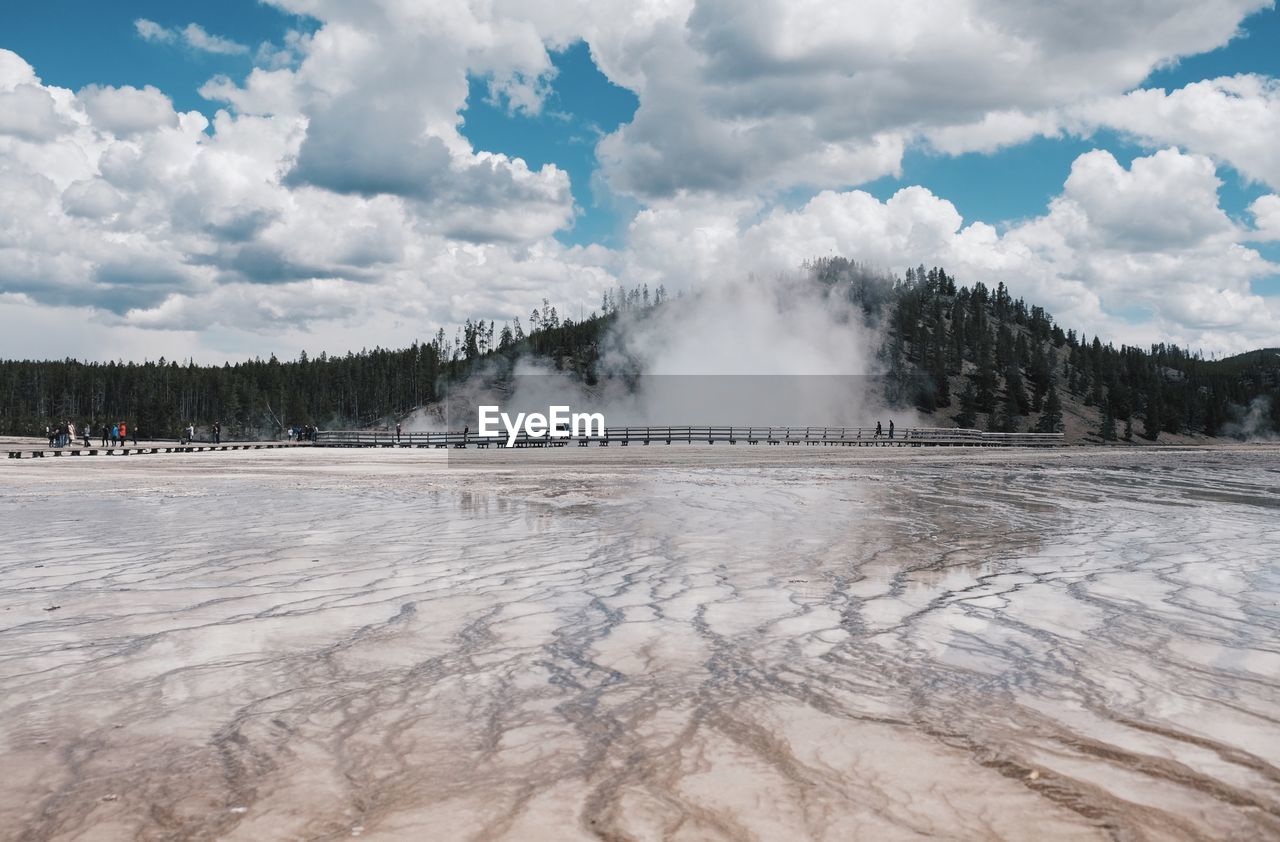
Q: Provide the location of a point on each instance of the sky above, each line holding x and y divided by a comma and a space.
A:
218, 181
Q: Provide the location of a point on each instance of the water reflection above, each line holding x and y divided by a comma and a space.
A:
668, 644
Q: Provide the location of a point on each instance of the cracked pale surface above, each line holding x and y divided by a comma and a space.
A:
642, 643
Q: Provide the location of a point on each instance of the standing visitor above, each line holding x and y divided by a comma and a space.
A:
106, 430
191, 433
71, 432
115, 434
879, 429
124, 432
397, 432
217, 433
890, 428
88, 428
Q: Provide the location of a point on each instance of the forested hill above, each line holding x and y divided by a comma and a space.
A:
966, 355
981, 358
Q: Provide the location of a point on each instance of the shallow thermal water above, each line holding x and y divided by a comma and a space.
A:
679, 643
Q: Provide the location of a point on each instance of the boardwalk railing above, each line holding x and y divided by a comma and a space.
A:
122, 450
831, 436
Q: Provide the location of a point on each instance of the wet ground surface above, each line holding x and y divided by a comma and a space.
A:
657, 643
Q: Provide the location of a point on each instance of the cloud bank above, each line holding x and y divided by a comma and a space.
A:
332, 201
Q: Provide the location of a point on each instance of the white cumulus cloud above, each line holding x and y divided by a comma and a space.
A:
1163, 246
192, 35
1234, 120
127, 110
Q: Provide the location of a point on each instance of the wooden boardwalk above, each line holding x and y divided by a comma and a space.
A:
621, 436
624, 436
138, 451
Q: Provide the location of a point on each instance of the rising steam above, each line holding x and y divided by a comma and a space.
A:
782, 350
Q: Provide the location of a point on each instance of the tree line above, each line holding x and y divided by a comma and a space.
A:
262, 398
977, 355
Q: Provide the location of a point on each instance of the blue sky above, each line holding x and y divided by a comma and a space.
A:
79, 42
683, 141
74, 43
582, 107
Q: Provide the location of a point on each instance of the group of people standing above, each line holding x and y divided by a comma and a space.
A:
306, 432
189, 434
63, 433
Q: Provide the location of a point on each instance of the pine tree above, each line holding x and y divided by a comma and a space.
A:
1051, 419
985, 374
1108, 427
1010, 414
1095, 393
1152, 421
926, 395
231, 410
1014, 386
1214, 414
1040, 376
1006, 350
968, 417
